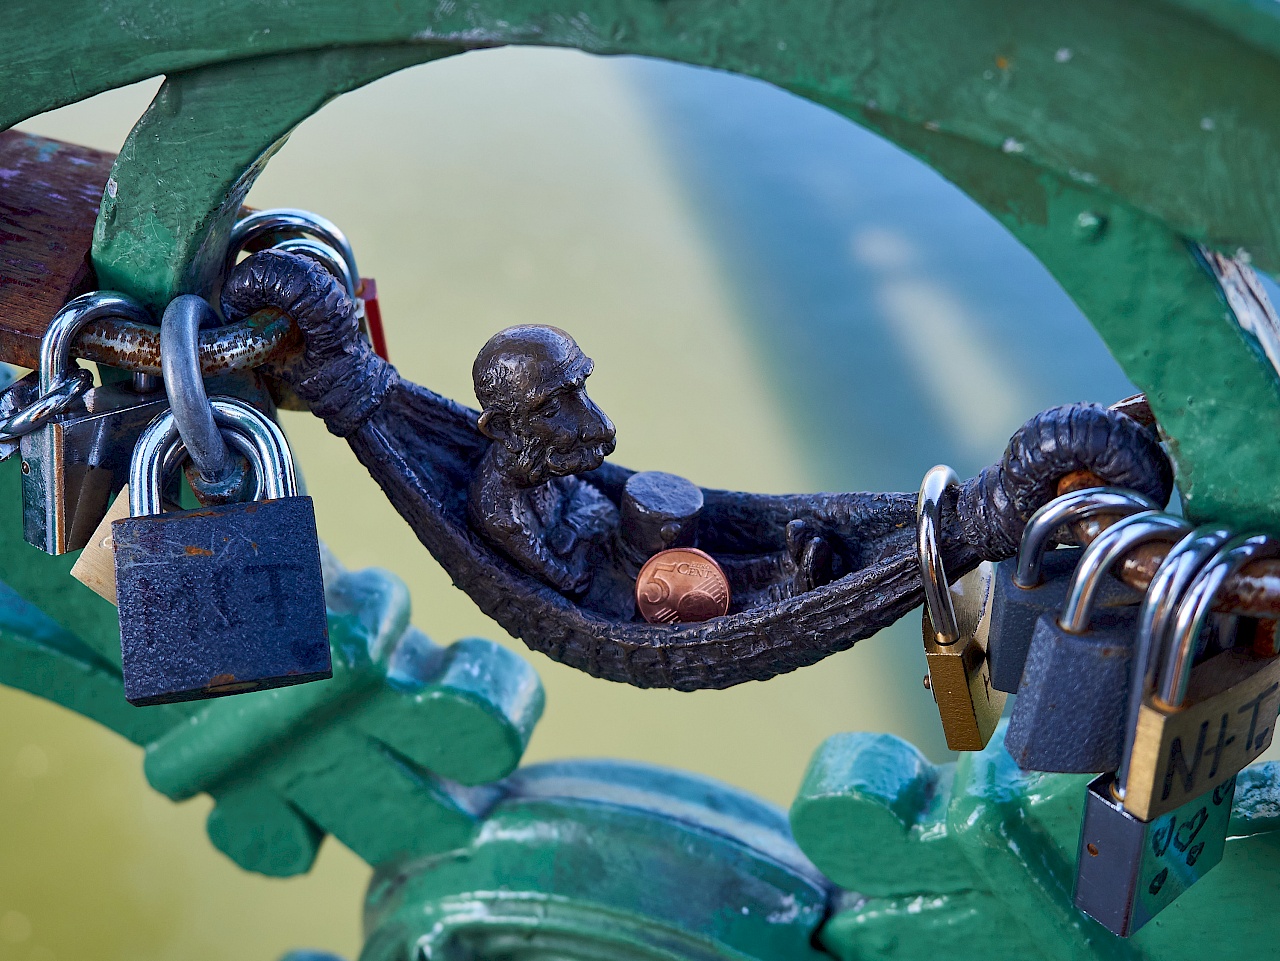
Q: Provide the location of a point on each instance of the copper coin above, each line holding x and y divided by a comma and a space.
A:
681, 586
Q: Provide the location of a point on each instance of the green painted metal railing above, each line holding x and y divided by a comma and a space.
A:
1110, 138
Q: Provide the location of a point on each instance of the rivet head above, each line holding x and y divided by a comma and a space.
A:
26, 468
1090, 227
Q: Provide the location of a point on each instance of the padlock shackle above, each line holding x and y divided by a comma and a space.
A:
1070, 507
288, 220
184, 386
1101, 556
55, 345
1159, 605
1194, 607
937, 591
328, 258
246, 428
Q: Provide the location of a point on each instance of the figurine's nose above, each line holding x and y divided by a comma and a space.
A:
597, 428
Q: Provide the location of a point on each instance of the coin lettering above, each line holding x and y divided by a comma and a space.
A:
682, 585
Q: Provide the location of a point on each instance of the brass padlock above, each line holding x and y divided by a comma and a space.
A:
1205, 723
956, 625
95, 568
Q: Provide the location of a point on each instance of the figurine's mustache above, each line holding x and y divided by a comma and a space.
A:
578, 458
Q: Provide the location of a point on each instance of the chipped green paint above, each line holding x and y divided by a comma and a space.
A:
158, 242
977, 859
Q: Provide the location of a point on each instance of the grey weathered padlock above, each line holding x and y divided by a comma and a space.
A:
1071, 708
1035, 582
79, 459
1130, 869
220, 600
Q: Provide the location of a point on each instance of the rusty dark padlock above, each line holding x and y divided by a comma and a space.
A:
221, 600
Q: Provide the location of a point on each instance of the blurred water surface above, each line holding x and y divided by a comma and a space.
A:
826, 312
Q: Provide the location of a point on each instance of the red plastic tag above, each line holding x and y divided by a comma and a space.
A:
373, 317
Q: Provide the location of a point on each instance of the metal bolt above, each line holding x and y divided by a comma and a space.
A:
1090, 226
928, 683
26, 468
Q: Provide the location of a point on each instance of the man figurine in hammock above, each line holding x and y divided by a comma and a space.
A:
524, 499
530, 382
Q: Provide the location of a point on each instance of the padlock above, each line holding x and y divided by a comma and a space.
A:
1035, 582
1130, 868
225, 599
1072, 705
79, 459
955, 626
1203, 722
373, 328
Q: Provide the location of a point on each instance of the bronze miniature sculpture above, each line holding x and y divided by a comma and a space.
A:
810, 574
525, 498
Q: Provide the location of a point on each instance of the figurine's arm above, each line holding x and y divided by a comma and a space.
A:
513, 528
531, 555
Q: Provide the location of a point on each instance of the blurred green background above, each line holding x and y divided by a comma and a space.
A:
841, 317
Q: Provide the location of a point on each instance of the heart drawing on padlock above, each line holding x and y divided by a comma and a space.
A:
1161, 835
1158, 881
1187, 833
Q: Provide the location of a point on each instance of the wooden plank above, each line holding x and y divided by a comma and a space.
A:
49, 197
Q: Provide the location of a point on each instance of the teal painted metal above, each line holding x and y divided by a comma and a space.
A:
606, 860
977, 859
1106, 136
1140, 125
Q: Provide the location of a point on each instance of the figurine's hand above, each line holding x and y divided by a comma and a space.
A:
573, 580
337, 373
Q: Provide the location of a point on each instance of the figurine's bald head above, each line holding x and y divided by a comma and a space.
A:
530, 381
521, 366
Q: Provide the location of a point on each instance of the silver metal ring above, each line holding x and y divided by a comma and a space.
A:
175, 455
1194, 607
55, 345
288, 220
937, 592
1073, 506
65, 392
232, 412
1101, 555
1164, 594
184, 385
248, 429
327, 257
